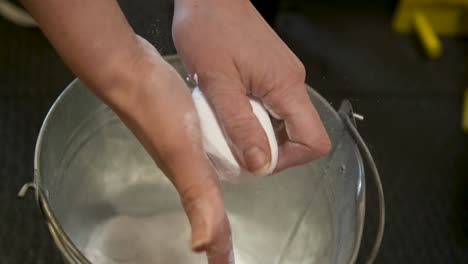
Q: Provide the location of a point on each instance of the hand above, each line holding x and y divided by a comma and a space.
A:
154, 102
235, 54
149, 96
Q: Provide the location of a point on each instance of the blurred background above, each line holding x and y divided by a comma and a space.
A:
403, 65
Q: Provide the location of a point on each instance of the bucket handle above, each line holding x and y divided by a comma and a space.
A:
349, 119
73, 255
63, 242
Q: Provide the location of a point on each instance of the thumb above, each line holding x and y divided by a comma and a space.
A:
200, 193
244, 133
306, 136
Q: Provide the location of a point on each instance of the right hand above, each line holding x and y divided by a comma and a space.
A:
235, 55
155, 103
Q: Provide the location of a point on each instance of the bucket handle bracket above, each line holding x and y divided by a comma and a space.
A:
349, 119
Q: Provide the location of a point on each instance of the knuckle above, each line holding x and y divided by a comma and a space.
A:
191, 196
195, 195
241, 128
320, 147
301, 71
297, 69
172, 150
324, 147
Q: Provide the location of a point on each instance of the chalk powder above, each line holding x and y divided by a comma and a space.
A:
155, 240
126, 239
143, 240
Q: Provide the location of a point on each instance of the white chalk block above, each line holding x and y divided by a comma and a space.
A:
215, 143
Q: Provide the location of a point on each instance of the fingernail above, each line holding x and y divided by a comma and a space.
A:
256, 160
199, 235
199, 245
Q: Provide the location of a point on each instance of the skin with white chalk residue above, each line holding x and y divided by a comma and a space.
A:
216, 143
192, 127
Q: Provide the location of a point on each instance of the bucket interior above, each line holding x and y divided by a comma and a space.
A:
117, 207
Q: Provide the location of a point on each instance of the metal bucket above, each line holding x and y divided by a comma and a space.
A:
105, 201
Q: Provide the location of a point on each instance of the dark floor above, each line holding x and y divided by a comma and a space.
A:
412, 125
411, 108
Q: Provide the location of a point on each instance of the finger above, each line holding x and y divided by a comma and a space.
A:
245, 134
198, 186
307, 138
174, 142
225, 253
202, 200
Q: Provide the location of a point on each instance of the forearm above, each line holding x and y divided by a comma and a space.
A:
92, 36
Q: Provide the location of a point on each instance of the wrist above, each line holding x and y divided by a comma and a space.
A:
122, 75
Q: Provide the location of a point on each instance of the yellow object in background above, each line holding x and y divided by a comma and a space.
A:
431, 17
428, 37
465, 112
447, 17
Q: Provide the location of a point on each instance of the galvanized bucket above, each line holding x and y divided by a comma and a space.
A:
105, 201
